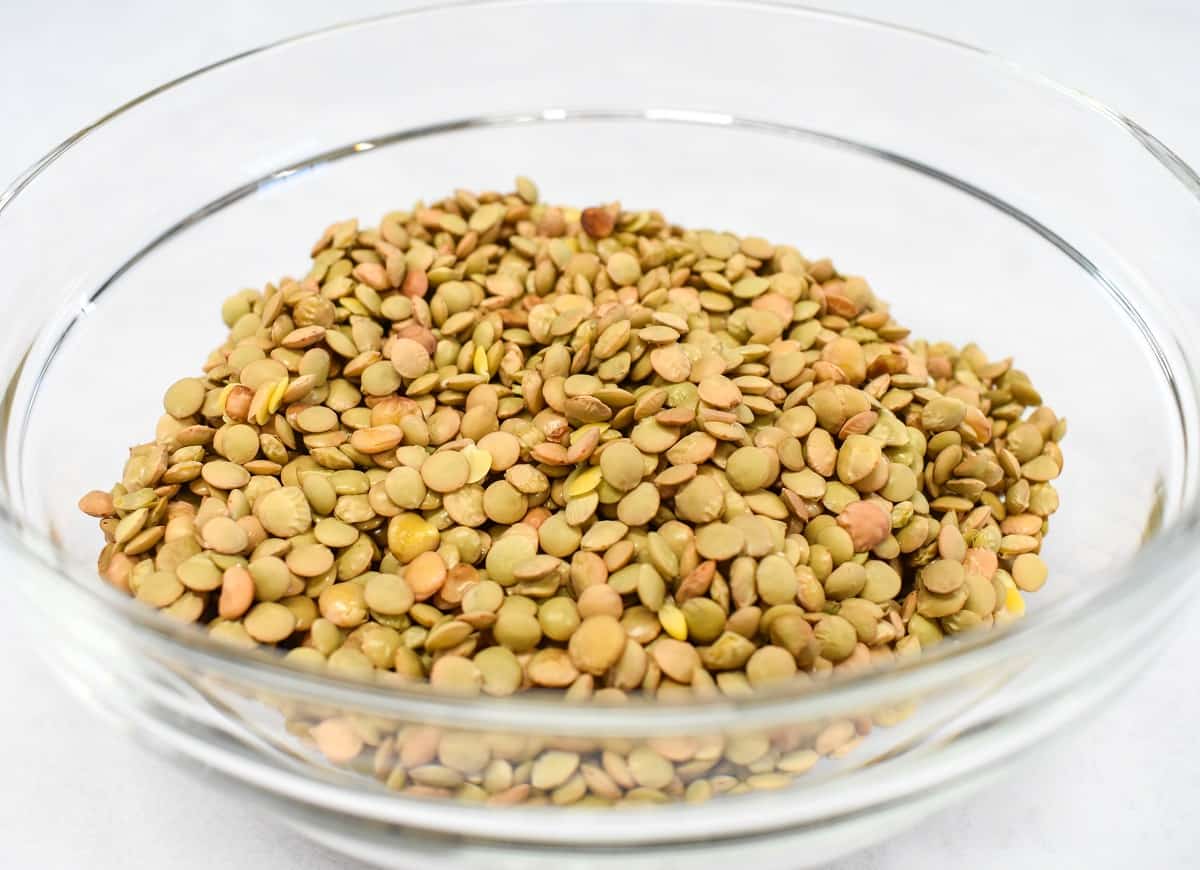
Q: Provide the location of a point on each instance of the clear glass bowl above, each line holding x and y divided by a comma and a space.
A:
984, 202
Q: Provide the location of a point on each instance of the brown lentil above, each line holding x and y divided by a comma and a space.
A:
495, 445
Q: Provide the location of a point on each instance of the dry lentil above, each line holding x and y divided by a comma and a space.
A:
496, 444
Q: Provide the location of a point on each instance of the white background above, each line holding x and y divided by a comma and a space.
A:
1119, 791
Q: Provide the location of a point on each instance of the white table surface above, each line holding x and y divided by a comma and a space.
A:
1120, 791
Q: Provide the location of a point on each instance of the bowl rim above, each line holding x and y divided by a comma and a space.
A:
1158, 561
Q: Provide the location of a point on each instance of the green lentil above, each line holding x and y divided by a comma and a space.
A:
495, 445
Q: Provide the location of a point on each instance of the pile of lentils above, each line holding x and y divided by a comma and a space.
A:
497, 445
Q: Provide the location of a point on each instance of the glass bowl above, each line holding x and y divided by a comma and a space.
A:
985, 203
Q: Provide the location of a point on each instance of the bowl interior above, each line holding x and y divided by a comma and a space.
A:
954, 265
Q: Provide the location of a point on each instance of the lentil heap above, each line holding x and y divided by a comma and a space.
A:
496, 444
